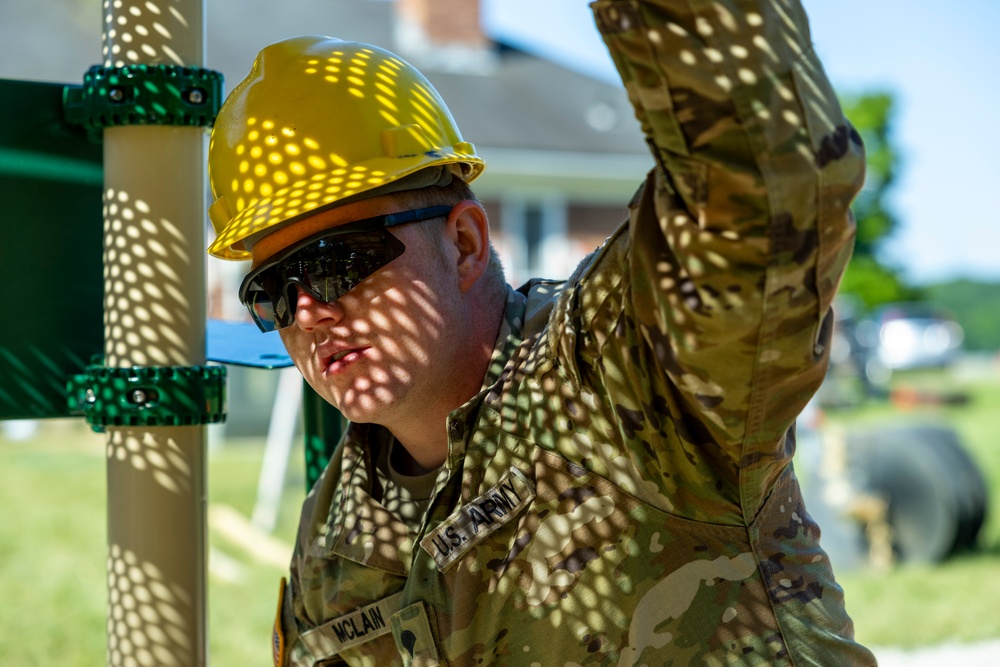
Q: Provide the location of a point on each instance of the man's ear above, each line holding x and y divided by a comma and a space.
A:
469, 229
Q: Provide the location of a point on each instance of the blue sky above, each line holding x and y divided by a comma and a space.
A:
941, 61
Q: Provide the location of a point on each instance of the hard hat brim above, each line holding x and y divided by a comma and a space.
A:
320, 192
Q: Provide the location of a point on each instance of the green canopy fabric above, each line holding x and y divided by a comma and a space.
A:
50, 250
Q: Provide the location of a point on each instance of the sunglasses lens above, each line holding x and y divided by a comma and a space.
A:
262, 309
326, 268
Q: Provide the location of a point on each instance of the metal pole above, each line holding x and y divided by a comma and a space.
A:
154, 315
277, 449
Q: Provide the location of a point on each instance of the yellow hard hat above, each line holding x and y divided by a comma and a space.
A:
319, 120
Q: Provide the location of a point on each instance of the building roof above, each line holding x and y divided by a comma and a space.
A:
538, 124
525, 102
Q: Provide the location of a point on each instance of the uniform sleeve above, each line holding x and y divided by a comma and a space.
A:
285, 632
285, 637
736, 243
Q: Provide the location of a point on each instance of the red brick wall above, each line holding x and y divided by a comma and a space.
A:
445, 22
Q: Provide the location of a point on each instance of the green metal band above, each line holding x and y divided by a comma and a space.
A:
149, 396
144, 95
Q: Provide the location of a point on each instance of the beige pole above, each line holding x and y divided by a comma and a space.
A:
154, 315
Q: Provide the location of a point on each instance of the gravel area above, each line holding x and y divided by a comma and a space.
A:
979, 654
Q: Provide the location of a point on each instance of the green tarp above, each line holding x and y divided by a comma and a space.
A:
50, 250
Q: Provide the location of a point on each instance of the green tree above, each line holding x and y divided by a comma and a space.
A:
976, 306
870, 277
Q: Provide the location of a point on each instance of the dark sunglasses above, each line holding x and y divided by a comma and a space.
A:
326, 265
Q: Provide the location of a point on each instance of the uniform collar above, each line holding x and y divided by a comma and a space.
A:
509, 337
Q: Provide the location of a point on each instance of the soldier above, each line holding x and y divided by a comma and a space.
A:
596, 471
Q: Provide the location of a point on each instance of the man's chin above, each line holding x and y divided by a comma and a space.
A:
359, 411
365, 406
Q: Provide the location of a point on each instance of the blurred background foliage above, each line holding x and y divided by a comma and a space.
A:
872, 277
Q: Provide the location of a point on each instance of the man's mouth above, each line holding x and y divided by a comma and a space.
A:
343, 358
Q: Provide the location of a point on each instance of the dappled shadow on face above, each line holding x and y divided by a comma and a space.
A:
405, 317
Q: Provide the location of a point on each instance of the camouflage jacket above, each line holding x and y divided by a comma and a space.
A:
621, 490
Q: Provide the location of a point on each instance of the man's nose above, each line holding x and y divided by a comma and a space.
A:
311, 312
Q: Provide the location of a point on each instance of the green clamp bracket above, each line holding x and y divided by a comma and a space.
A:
149, 396
144, 95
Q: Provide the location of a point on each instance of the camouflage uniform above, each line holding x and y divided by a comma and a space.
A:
621, 491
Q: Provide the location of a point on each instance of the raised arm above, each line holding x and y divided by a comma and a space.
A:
737, 242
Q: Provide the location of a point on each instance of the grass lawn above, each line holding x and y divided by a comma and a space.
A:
53, 548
